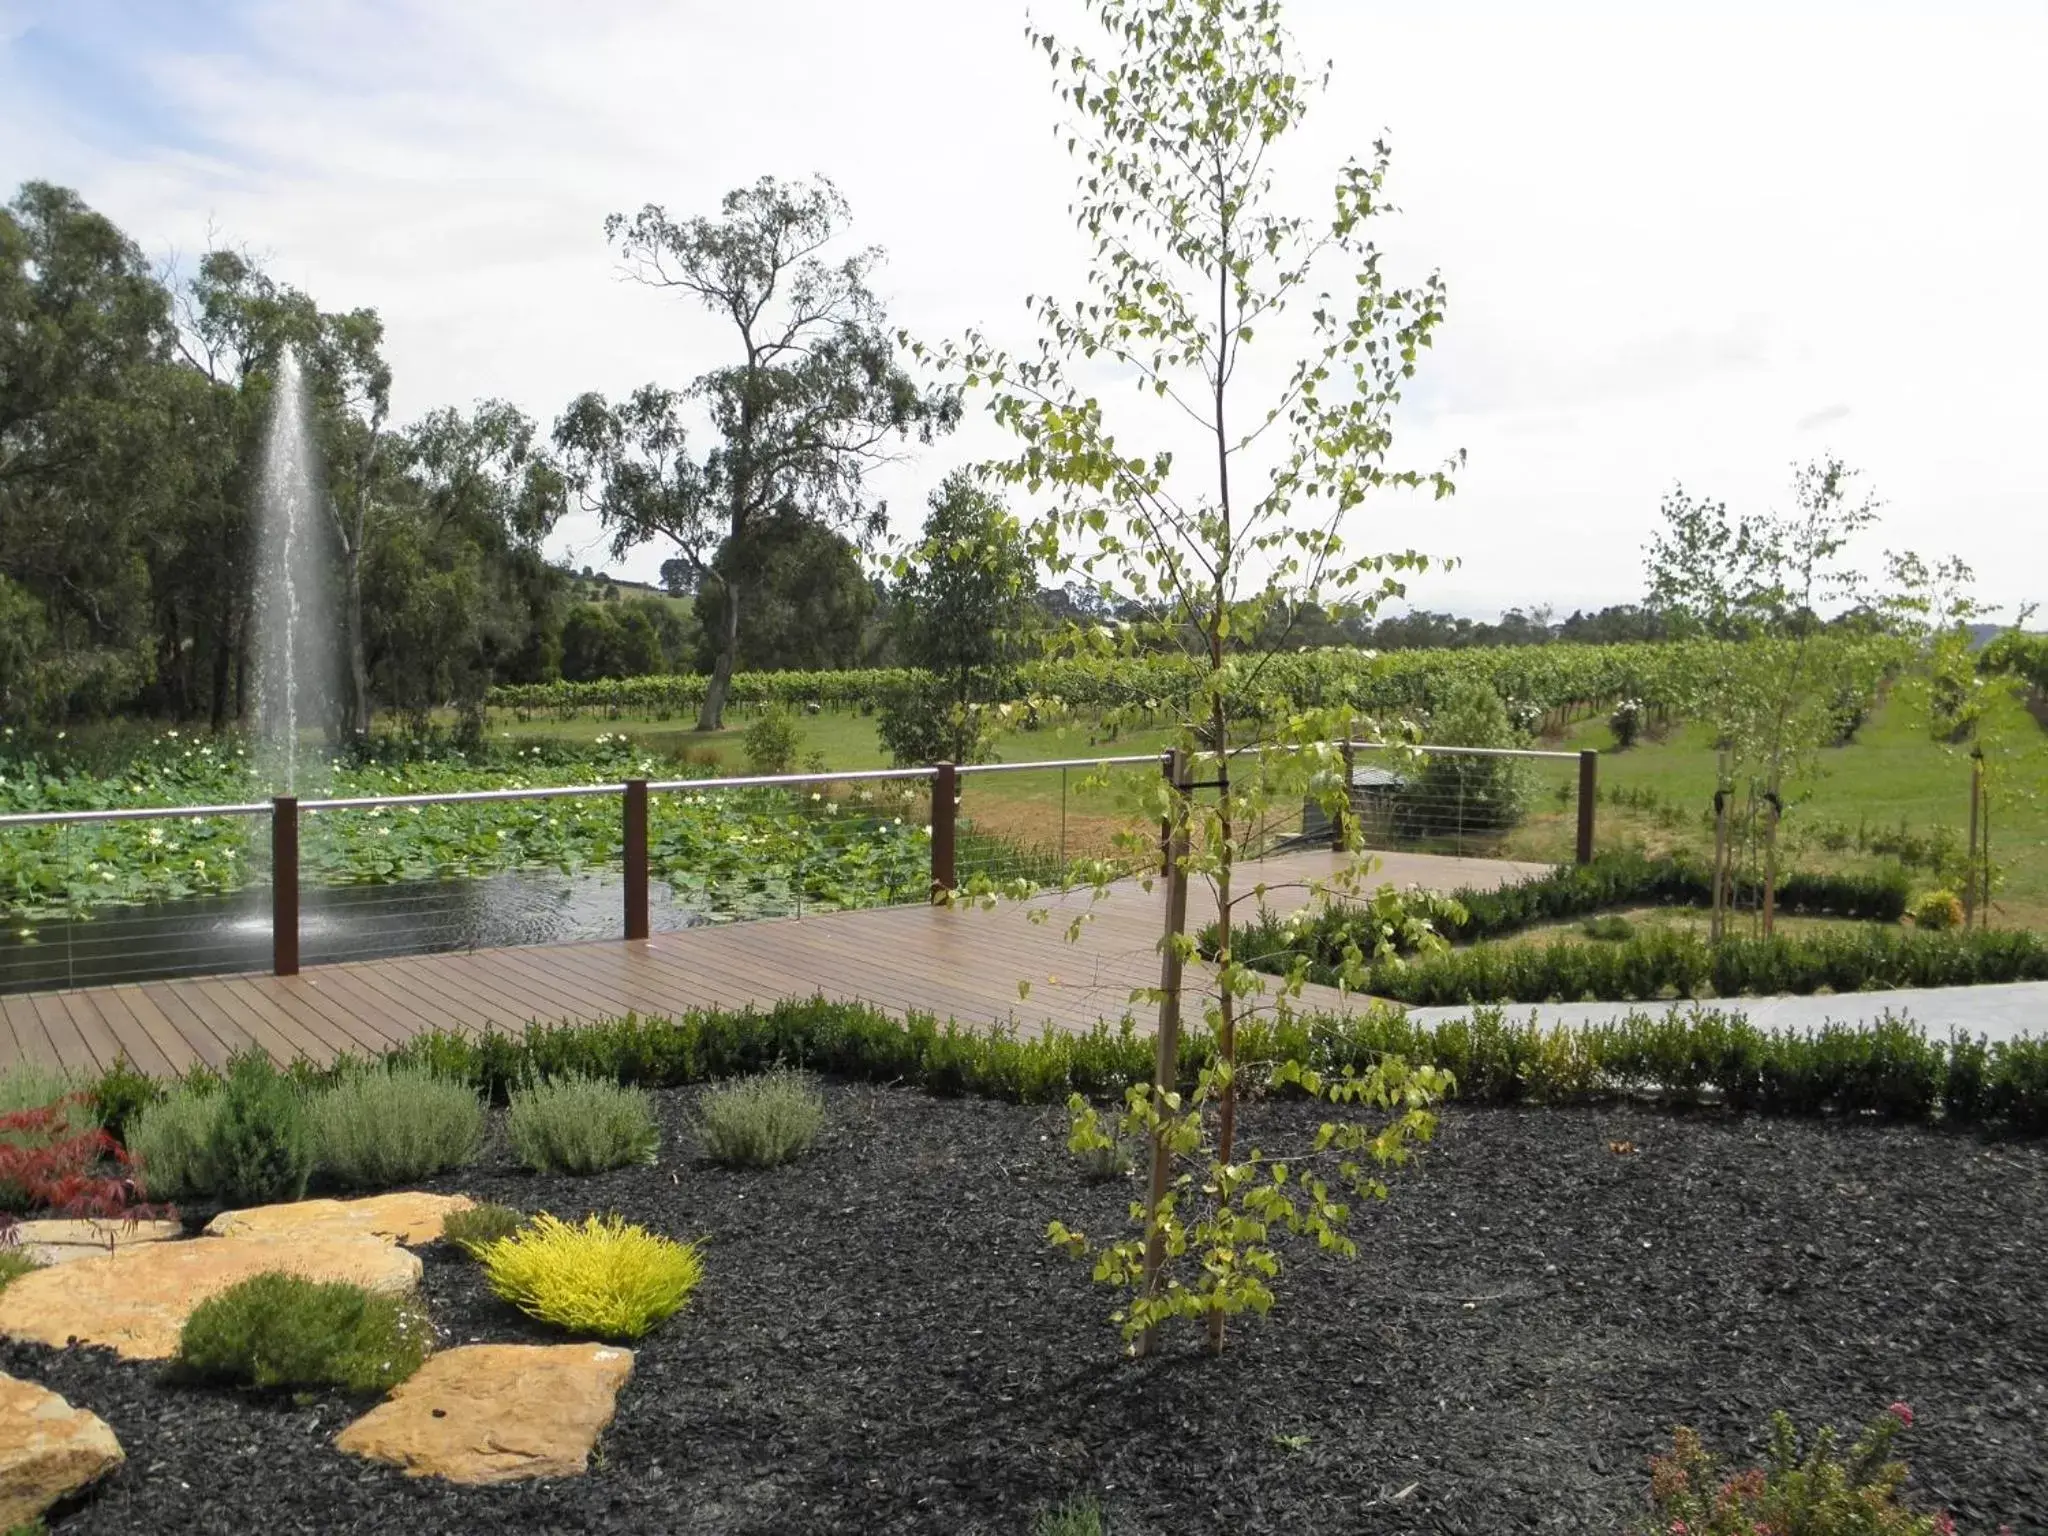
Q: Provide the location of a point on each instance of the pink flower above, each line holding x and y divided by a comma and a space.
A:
1679, 1528
1945, 1524
1902, 1412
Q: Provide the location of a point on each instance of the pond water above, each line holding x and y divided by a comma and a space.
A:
216, 934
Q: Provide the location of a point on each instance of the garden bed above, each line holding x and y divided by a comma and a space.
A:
883, 1341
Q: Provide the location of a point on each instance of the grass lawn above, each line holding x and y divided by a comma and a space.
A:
1666, 919
1893, 775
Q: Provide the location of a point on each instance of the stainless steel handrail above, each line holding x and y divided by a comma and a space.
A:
462, 797
133, 813
1425, 749
770, 780
1056, 762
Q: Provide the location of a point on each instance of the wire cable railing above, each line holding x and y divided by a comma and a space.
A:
218, 897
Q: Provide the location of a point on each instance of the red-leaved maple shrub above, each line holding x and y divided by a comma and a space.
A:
51, 1167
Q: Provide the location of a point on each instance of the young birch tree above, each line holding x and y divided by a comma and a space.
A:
1765, 581
1176, 126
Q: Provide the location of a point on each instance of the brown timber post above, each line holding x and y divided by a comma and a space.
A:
284, 885
1166, 1043
945, 827
636, 859
1589, 794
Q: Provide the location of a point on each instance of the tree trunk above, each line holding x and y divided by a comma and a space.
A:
226, 643
712, 716
1226, 1005
358, 665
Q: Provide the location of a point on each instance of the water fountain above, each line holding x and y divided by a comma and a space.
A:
296, 660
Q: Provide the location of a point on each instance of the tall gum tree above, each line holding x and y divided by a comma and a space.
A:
1194, 261
806, 410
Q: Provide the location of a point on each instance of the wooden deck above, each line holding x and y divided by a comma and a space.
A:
954, 963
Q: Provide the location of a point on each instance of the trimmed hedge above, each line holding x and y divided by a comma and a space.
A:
1665, 963
1677, 1055
1680, 1055
1624, 878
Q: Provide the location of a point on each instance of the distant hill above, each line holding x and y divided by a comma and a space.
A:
601, 586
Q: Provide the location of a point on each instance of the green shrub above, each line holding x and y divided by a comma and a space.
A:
579, 1124
1456, 794
377, 1128
760, 1121
470, 1229
1076, 1517
603, 1278
120, 1094
1799, 1488
31, 1085
14, 1263
170, 1139
260, 1146
280, 1330
1938, 910
919, 722
1610, 928
770, 741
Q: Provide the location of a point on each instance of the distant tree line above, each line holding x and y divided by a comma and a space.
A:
133, 403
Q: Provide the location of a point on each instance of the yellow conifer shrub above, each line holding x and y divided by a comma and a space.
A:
604, 1278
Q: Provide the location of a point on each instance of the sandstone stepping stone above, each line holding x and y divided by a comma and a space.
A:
59, 1242
405, 1217
136, 1300
47, 1449
496, 1413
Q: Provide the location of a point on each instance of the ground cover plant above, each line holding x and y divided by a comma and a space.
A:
580, 1124
283, 1330
14, 1264
604, 1278
760, 1121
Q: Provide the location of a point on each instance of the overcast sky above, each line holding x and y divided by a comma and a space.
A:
1683, 241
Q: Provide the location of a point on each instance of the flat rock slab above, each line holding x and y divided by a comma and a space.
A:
136, 1300
59, 1242
48, 1449
496, 1413
405, 1217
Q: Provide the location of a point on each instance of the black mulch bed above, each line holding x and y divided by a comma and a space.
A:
884, 1343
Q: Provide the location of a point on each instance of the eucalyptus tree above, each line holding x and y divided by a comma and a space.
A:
85, 334
1196, 261
458, 590
811, 402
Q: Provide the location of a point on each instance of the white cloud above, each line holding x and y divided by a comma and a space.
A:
1682, 244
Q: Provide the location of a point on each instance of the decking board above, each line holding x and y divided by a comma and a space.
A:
961, 964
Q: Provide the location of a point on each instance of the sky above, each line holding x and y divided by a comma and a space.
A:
1684, 243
